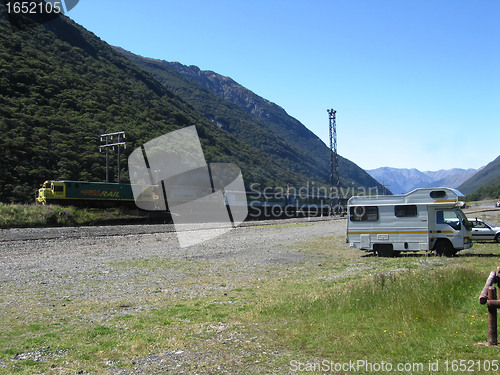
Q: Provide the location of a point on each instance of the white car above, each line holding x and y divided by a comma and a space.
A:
481, 230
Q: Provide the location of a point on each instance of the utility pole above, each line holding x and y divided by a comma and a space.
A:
384, 187
112, 140
334, 159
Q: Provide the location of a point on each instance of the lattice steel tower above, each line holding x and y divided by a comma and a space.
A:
334, 160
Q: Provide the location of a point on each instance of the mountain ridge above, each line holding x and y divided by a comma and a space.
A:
268, 117
62, 87
272, 114
489, 175
404, 180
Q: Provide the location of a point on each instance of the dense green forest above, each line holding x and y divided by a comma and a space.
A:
61, 86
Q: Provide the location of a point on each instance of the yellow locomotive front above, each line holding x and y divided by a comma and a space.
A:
50, 190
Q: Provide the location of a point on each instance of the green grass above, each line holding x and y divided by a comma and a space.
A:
336, 305
404, 315
33, 215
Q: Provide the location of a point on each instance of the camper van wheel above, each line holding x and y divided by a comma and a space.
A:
444, 247
384, 250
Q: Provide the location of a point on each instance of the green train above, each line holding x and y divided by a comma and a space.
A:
88, 194
109, 194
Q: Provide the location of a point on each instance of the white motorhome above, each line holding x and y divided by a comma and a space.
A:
422, 220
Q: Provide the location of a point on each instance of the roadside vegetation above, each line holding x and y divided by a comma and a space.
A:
33, 215
490, 191
337, 305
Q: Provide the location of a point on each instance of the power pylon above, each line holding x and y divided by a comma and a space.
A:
334, 159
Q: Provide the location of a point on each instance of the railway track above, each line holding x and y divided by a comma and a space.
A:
483, 210
62, 233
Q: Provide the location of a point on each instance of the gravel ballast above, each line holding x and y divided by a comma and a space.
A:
105, 266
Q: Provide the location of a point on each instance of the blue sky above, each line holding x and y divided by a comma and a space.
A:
416, 84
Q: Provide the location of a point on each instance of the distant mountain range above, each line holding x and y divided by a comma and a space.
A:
401, 181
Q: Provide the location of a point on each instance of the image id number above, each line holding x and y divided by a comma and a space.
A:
471, 365
34, 7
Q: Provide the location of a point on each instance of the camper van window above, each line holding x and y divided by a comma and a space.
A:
448, 217
407, 210
363, 213
438, 194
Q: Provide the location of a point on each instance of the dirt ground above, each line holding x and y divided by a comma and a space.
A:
99, 264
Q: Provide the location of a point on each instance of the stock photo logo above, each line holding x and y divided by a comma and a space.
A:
205, 200
26, 14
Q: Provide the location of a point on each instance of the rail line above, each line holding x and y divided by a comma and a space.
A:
497, 210
63, 233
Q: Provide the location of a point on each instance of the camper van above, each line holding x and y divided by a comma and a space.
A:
422, 220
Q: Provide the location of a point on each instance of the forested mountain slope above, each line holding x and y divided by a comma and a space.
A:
487, 178
61, 86
253, 119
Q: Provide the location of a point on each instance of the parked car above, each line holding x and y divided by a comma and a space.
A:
481, 230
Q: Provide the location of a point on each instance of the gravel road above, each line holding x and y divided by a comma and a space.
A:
123, 270
67, 260
56, 255
99, 265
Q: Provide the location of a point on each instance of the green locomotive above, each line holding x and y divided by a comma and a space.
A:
83, 193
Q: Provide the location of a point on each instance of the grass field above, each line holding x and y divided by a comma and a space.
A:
336, 306
34, 215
